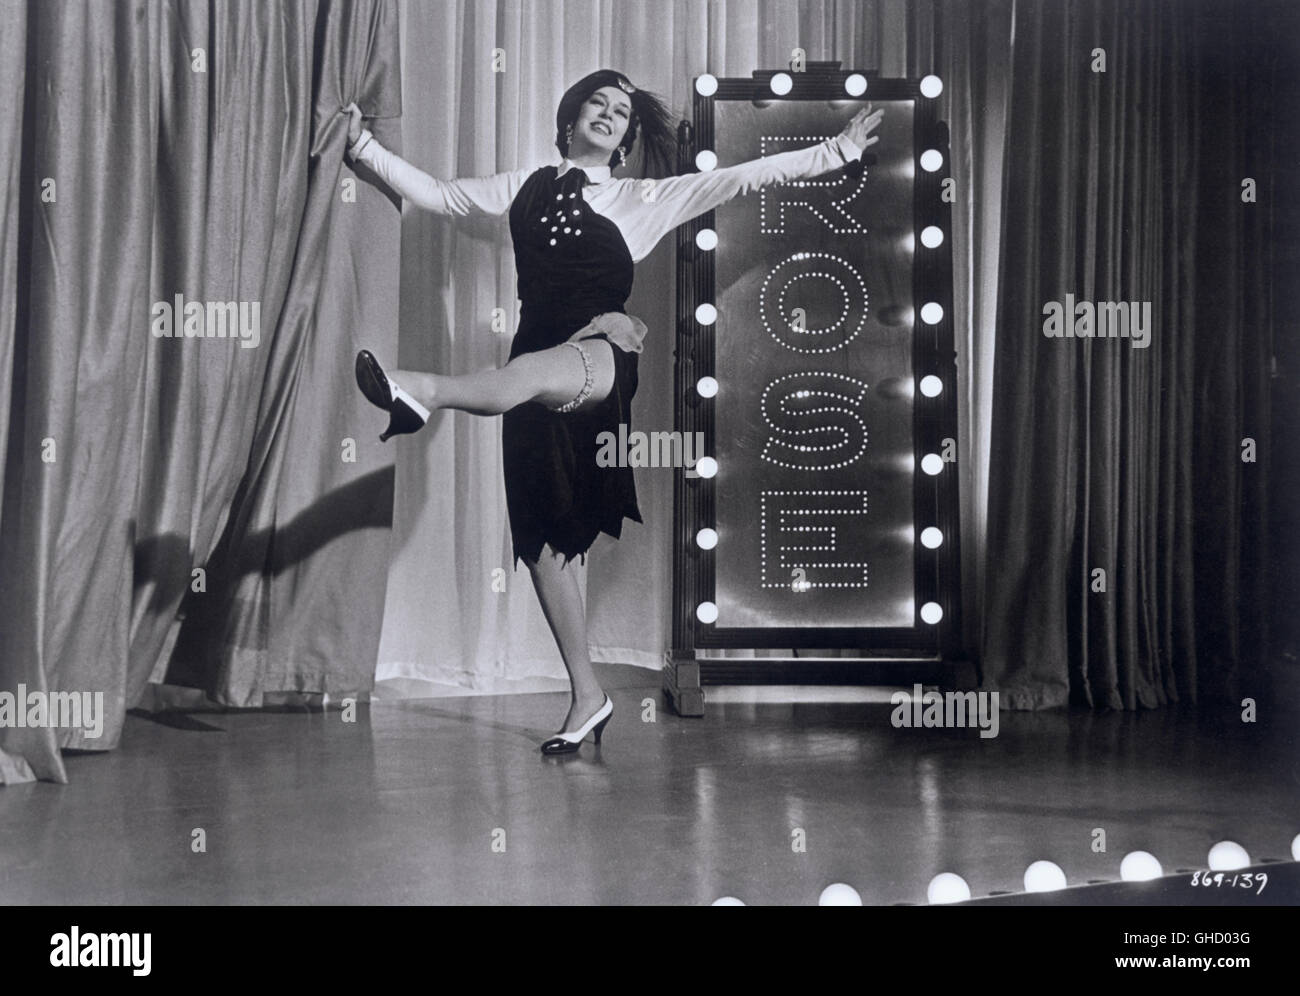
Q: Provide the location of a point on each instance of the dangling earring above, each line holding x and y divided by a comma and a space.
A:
622, 156
568, 138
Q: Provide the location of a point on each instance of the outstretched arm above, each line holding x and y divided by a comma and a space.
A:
491, 195
681, 198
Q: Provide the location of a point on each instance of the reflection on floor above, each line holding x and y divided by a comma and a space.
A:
449, 801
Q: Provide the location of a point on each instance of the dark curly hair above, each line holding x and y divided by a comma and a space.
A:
650, 119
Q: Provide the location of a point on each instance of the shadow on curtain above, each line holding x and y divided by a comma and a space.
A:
209, 507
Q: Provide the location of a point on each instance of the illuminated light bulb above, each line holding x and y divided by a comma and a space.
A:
932, 313
706, 314
705, 161
706, 539
931, 612
947, 887
706, 612
1140, 866
1227, 855
706, 239
932, 537
727, 900
931, 87
781, 84
855, 85
706, 466
839, 894
931, 386
932, 463
1044, 876
706, 85
707, 387
931, 160
931, 237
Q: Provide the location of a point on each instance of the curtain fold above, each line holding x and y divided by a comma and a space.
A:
1123, 548
196, 507
973, 58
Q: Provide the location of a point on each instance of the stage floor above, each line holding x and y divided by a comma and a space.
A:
449, 801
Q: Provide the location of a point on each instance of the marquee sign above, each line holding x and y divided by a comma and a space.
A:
815, 355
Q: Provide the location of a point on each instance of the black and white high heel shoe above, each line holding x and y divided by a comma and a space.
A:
566, 743
405, 414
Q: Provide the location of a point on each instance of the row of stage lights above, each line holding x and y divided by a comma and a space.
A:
855, 85
1044, 876
931, 160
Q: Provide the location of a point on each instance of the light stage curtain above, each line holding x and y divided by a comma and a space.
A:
456, 613
1126, 185
153, 149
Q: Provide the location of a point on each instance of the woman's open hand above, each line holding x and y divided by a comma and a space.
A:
354, 123
858, 131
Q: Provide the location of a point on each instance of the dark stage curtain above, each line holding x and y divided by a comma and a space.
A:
1126, 185
152, 149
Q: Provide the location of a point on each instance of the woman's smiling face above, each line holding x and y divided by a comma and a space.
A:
602, 121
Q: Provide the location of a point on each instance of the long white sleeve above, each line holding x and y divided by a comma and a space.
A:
489, 195
680, 198
642, 219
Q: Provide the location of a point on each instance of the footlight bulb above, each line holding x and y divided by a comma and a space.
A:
1140, 866
839, 894
728, 901
1044, 876
1228, 855
947, 888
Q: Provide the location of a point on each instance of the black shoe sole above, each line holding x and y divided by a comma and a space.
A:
373, 382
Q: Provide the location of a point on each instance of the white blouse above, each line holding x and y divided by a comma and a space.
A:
643, 211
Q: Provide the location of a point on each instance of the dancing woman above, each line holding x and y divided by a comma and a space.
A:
573, 364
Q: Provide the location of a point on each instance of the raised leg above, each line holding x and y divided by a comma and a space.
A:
550, 376
561, 600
